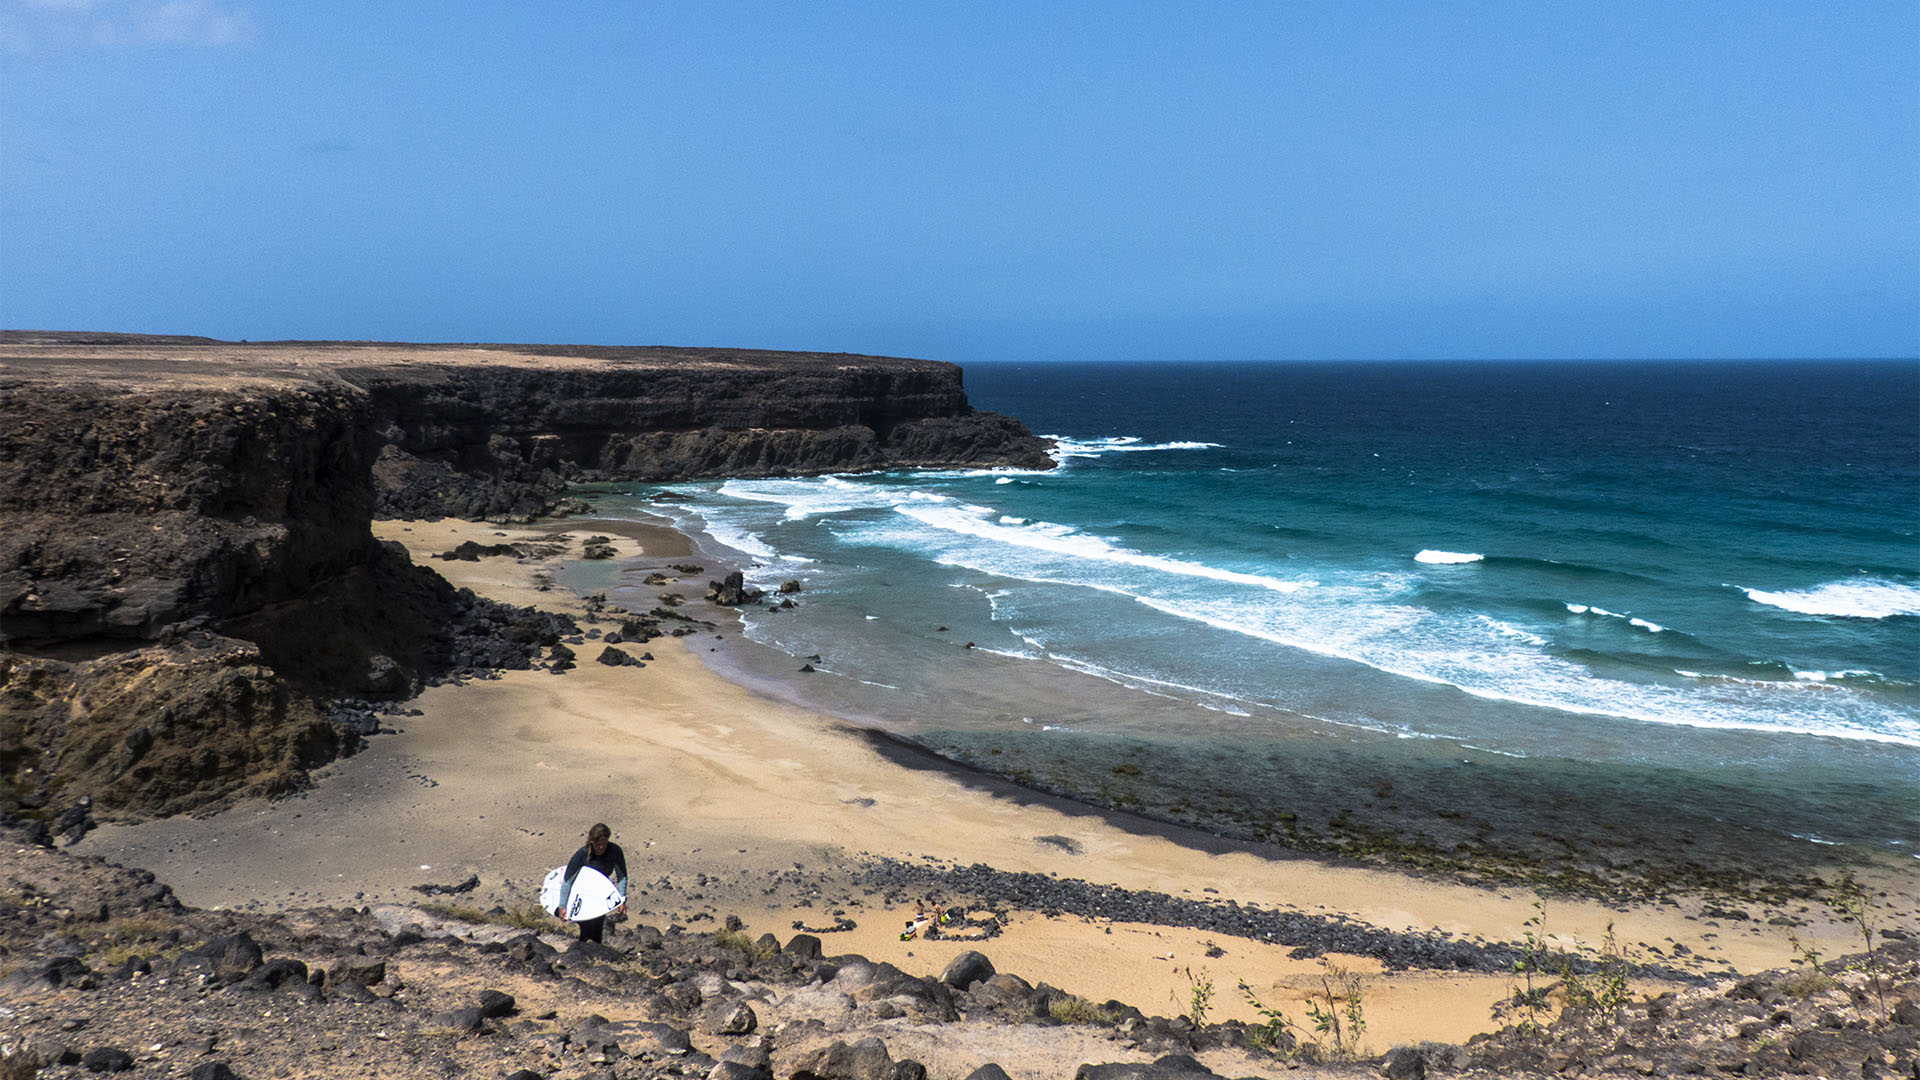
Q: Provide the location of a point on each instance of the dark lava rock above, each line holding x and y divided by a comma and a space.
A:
495, 1004
1170, 1067
212, 1070
463, 1020
736, 1019
226, 959
106, 1059
469, 551
733, 591
613, 657
966, 969
866, 1059
55, 973
989, 1071
592, 952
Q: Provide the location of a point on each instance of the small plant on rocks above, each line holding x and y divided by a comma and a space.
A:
742, 942
1850, 901
1274, 1034
1073, 1009
1808, 979
1338, 1012
1199, 996
1605, 990
1523, 994
525, 918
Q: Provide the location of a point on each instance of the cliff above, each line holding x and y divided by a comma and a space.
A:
185, 554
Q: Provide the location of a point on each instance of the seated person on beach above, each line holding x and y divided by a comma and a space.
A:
923, 923
602, 854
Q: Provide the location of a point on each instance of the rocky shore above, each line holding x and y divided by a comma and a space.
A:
103, 971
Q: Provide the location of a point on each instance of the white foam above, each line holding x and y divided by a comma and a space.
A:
815, 496
1446, 558
1066, 541
1415, 643
740, 540
1854, 598
1065, 447
1588, 609
1823, 676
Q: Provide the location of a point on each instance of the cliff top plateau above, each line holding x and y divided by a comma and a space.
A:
162, 361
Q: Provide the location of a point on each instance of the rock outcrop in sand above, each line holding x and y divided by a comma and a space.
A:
188, 579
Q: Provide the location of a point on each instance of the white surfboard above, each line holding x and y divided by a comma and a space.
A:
593, 895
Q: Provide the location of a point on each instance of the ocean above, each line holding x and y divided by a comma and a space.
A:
1627, 614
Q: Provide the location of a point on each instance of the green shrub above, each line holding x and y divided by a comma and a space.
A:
1072, 1009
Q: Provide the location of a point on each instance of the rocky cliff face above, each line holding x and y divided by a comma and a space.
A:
501, 439
185, 554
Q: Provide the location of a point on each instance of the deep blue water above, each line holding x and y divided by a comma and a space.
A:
1682, 565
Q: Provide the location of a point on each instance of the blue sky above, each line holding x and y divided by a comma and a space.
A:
973, 181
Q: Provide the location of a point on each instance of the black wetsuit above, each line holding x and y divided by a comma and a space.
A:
612, 863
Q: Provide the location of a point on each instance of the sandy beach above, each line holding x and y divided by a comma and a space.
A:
729, 803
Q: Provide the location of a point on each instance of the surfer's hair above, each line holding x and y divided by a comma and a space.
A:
598, 832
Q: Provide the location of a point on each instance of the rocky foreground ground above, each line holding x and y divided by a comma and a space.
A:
103, 971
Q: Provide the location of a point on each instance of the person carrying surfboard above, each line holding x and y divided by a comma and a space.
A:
602, 854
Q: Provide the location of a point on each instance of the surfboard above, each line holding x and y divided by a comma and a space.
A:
593, 895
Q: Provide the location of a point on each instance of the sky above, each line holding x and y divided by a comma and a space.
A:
973, 181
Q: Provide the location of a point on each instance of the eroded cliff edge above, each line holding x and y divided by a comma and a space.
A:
187, 572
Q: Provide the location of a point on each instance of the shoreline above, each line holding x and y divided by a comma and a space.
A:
1604, 830
731, 802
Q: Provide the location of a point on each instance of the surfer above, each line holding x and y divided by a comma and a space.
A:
602, 854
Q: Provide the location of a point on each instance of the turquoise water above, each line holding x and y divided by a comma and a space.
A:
1649, 577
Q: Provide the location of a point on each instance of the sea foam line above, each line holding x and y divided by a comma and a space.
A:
1446, 558
1067, 447
1854, 598
1588, 609
1643, 704
1065, 540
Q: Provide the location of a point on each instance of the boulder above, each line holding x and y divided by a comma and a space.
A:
528, 947
52, 974
43, 1051
106, 1059
635, 1037
584, 952
866, 1059
365, 970
275, 973
804, 947
613, 657
1404, 1063
733, 591
1170, 1067
467, 1020
737, 1018
966, 969
494, 1004
226, 959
